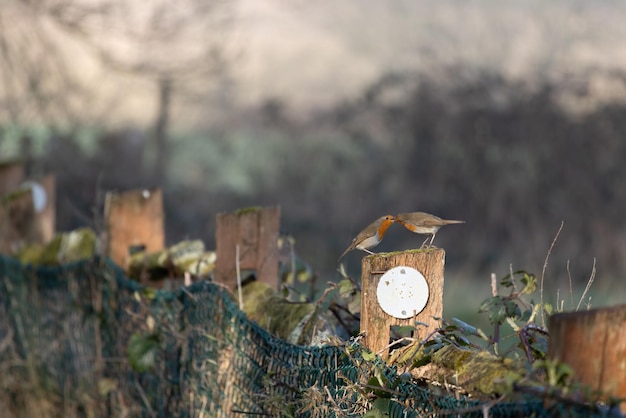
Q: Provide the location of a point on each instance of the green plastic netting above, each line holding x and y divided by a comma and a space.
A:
65, 331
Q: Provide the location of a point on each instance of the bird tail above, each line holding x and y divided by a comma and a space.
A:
344, 253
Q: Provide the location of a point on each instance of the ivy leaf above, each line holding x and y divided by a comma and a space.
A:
142, 351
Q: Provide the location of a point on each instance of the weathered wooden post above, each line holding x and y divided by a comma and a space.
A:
133, 218
593, 344
12, 174
253, 235
27, 214
401, 289
17, 221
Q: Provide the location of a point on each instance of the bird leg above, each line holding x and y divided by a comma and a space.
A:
430, 244
424, 243
367, 251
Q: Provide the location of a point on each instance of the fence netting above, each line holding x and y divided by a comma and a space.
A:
83, 340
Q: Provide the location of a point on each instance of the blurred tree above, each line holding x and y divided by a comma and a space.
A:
37, 83
170, 43
175, 45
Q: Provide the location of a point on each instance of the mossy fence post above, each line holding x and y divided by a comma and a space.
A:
247, 239
593, 344
411, 290
133, 218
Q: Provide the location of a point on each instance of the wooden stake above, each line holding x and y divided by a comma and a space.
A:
12, 174
593, 344
255, 232
17, 221
22, 220
133, 218
376, 323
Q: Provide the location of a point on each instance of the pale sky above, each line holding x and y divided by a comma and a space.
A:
313, 54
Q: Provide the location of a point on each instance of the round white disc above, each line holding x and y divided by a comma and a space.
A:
402, 292
40, 197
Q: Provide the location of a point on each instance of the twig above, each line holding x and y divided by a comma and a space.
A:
571, 288
512, 278
342, 271
203, 407
315, 310
188, 293
483, 407
238, 268
292, 256
331, 399
238, 411
494, 285
383, 389
543, 272
420, 345
144, 398
396, 342
589, 282
524, 338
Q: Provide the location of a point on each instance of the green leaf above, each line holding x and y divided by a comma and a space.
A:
106, 385
548, 308
377, 382
149, 293
487, 304
380, 409
421, 361
530, 283
142, 351
526, 315
507, 281
368, 356
346, 287
465, 327
512, 310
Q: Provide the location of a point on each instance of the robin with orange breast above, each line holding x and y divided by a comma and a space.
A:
424, 223
371, 236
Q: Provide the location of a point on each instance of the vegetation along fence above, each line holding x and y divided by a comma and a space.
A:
82, 340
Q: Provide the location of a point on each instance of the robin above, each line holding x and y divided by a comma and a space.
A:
423, 223
371, 236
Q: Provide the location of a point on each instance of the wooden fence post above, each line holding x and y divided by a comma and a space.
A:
17, 221
133, 218
255, 232
12, 174
375, 321
27, 214
593, 344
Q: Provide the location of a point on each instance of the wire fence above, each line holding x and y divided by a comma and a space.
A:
83, 340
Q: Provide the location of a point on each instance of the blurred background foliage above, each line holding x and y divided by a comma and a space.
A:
481, 112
